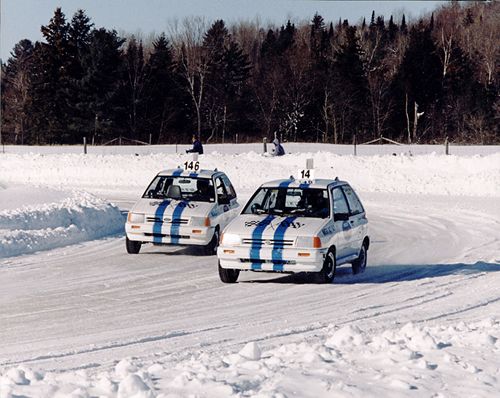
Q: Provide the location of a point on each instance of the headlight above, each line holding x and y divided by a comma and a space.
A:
136, 218
231, 240
200, 221
308, 242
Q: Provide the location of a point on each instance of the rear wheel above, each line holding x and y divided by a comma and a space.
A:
228, 275
359, 265
327, 273
133, 247
211, 248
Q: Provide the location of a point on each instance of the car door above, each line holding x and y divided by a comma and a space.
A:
223, 202
341, 222
357, 219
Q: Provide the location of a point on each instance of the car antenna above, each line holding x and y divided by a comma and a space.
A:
292, 178
337, 178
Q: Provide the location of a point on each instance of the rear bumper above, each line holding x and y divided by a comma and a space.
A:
168, 235
278, 260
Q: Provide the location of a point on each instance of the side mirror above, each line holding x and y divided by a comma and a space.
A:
341, 217
223, 199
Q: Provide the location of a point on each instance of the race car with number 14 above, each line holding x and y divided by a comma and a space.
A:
297, 226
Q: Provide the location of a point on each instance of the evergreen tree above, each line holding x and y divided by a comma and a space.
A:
101, 102
162, 91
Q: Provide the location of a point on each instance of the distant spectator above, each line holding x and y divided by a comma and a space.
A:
197, 147
278, 148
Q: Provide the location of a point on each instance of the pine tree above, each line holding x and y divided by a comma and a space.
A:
161, 91
102, 101
52, 79
403, 28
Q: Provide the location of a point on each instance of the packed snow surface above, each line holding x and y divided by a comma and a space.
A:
89, 320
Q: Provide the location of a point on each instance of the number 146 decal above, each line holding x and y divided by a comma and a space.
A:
192, 165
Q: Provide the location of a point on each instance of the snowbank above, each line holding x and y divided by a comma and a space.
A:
452, 360
33, 219
110, 175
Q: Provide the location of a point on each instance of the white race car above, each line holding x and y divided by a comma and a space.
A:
182, 208
297, 226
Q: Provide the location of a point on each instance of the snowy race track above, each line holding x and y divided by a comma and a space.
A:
433, 262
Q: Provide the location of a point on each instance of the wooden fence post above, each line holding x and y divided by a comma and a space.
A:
354, 143
265, 144
84, 145
446, 146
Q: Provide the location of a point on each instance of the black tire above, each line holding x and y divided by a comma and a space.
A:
211, 248
327, 273
359, 265
133, 247
228, 275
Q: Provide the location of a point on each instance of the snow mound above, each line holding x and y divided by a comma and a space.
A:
460, 365
45, 219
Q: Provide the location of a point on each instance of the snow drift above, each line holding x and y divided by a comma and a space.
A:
33, 219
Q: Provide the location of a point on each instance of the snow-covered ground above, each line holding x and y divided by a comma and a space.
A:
89, 320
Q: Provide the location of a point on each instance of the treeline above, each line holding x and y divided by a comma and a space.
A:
320, 81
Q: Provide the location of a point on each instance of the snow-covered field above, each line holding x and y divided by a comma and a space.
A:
89, 320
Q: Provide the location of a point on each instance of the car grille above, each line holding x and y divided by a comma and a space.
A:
268, 242
156, 235
260, 261
177, 221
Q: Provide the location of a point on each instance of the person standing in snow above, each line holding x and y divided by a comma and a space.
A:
278, 148
197, 146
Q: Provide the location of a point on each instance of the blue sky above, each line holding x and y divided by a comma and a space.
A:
22, 19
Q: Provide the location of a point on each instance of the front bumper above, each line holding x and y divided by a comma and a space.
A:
277, 260
168, 235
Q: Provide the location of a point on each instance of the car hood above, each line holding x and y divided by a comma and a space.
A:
265, 225
150, 207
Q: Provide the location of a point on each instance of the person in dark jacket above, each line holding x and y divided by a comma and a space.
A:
197, 147
278, 148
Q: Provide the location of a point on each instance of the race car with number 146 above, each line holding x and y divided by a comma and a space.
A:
293, 226
182, 207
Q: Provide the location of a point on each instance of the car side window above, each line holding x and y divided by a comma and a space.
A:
339, 202
353, 201
229, 187
221, 189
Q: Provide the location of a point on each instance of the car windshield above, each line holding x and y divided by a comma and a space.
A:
181, 188
300, 202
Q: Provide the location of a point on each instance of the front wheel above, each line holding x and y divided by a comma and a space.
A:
228, 275
212, 246
327, 273
133, 247
359, 265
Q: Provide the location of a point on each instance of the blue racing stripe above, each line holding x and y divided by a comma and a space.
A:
177, 173
175, 227
158, 224
257, 234
279, 234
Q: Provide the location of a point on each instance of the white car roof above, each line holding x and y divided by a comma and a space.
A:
319, 183
184, 173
